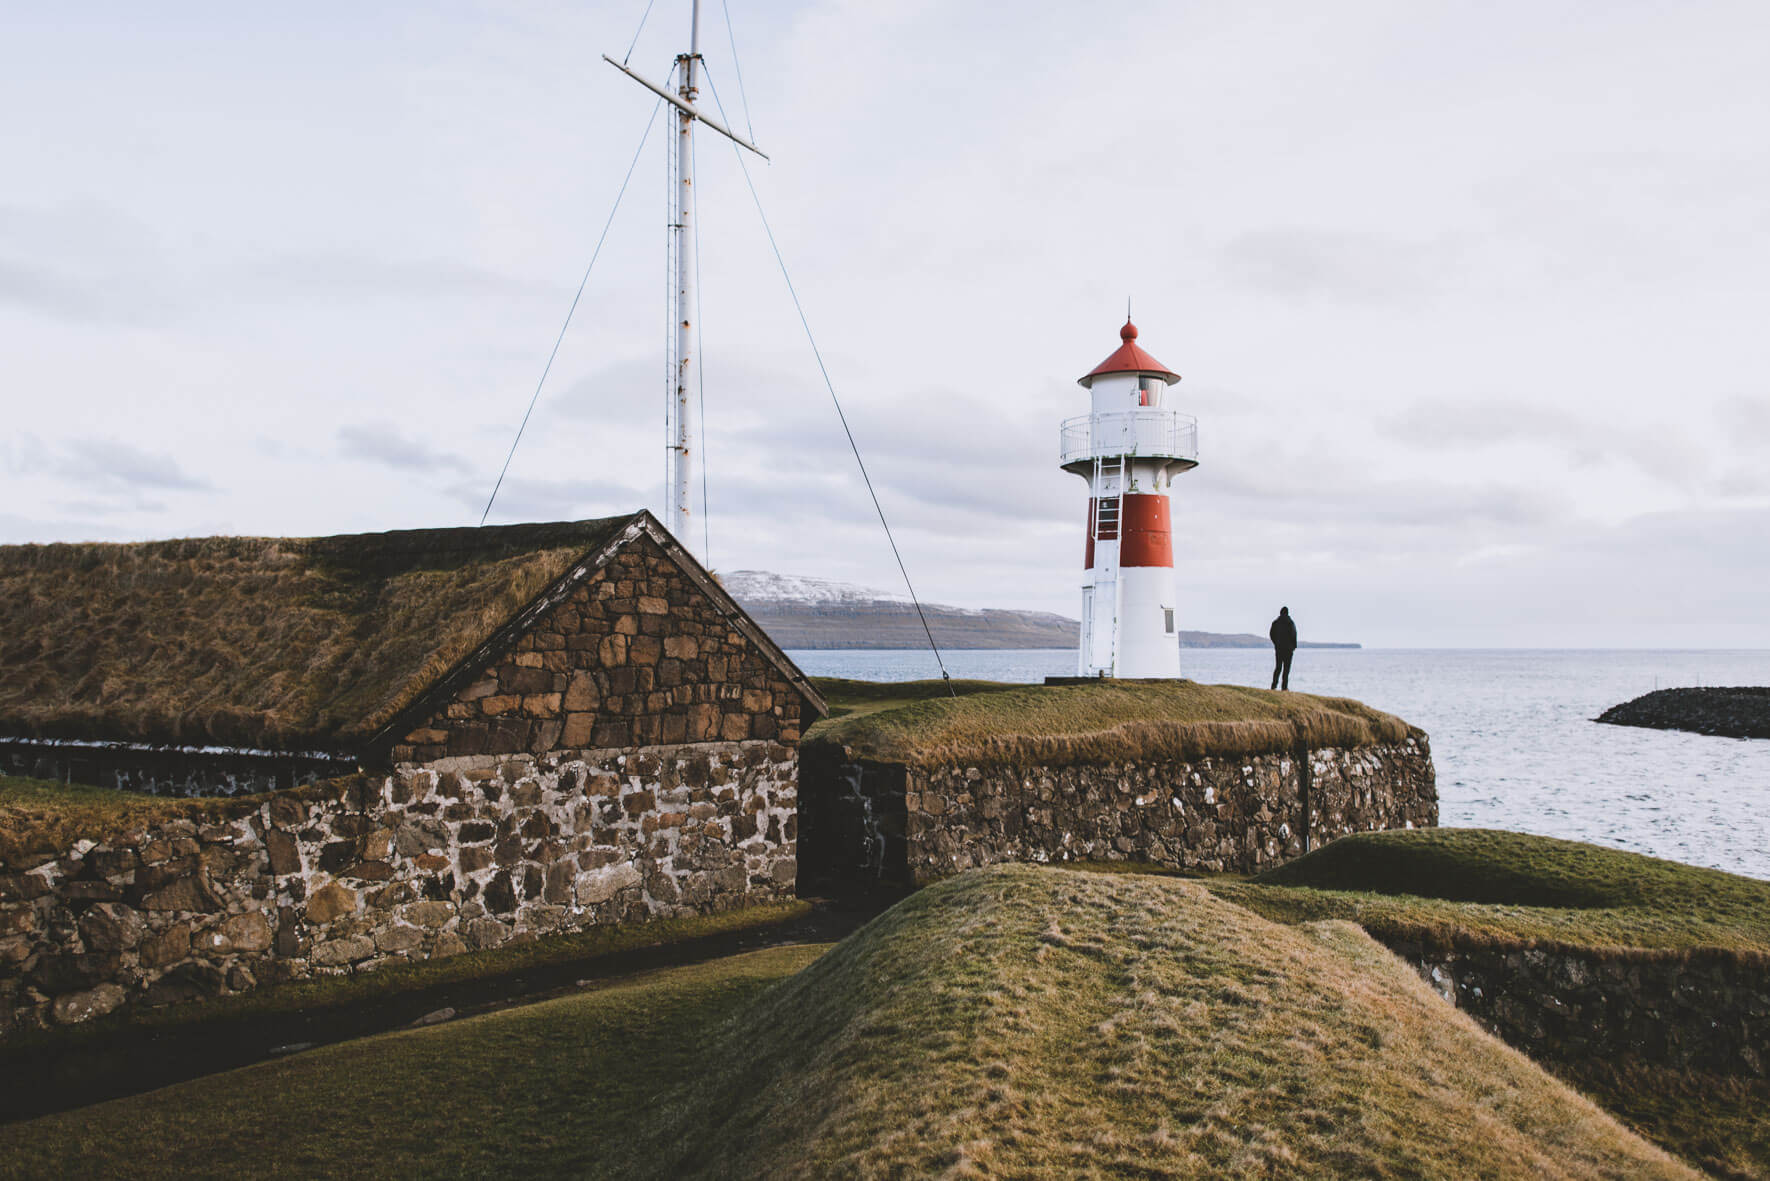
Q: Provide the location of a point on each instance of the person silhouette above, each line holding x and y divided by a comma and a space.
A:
1284, 643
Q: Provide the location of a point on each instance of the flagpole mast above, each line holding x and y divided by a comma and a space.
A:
680, 467
679, 423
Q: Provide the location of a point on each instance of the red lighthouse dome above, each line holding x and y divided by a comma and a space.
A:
1128, 358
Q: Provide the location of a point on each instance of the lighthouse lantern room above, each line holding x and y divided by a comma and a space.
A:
1129, 447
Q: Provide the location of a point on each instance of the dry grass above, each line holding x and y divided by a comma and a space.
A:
277, 642
1014, 1021
1114, 721
1720, 1123
1019, 1021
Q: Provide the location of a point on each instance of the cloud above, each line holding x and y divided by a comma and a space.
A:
332, 275
1663, 452
112, 508
123, 467
16, 529
1306, 265
546, 500
1747, 420
48, 294
1302, 491
1659, 580
84, 263
383, 443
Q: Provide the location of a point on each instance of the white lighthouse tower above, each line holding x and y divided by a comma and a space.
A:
1129, 447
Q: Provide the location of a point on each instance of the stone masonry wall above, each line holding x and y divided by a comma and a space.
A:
349, 875
637, 655
1710, 1011
907, 825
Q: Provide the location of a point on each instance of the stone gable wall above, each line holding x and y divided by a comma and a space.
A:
353, 874
906, 825
638, 655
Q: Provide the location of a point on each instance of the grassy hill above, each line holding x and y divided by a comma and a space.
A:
1012, 1021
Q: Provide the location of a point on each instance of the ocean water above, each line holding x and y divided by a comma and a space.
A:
1512, 734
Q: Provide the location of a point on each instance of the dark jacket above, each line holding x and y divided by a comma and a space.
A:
1284, 633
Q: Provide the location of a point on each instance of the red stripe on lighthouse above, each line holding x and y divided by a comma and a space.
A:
1147, 536
1147, 539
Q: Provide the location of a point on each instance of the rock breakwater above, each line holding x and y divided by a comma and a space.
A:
1736, 712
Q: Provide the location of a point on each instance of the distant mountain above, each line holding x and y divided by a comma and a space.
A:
802, 612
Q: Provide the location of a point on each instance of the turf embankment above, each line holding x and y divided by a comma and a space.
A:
39, 819
919, 723
1469, 888
1481, 890
1014, 1021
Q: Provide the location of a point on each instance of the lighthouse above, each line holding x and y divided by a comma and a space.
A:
1129, 447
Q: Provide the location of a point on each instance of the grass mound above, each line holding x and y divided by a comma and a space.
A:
1016, 1021
918, 723
1452, 887
1020, 1021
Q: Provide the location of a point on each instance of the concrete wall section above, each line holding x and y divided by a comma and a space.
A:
428, 861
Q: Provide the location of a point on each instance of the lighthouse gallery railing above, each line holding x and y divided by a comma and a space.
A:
1153, 432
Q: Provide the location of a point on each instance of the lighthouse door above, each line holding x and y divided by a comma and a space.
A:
1084, 668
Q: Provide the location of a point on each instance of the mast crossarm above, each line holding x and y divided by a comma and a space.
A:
686, 108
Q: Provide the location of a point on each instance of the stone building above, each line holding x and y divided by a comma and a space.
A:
230, 665
478, 735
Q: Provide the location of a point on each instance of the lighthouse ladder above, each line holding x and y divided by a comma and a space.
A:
1109, 470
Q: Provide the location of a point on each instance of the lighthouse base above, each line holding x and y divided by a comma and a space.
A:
1128, 625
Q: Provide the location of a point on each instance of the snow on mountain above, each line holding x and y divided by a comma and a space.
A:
759, 586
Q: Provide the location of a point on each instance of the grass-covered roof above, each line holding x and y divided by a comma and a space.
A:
288, 643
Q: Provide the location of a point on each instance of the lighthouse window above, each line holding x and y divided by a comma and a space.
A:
1149, 391
1168, 619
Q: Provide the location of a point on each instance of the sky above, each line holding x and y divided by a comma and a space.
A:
1469, 299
